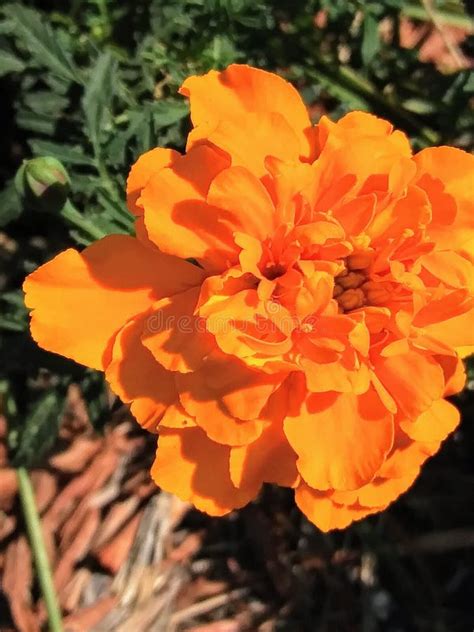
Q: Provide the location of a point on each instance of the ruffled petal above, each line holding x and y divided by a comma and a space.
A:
325, 513
196, 469
413, 379
136, 377
226, 398
447, 170
239, 192
268, 459
240, 90
250, 140
81, 300
147, 165
326, 436
176, 337
178, 218
435, 424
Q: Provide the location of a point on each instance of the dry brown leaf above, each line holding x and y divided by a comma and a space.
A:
118, 515
70, 595
76, 549
91, 479
7, 525
89, 617
46, 488
16, 584
77, 456
225, 625
188, 547
113, 554
8, 488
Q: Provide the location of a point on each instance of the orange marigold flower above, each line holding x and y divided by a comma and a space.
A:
293, 308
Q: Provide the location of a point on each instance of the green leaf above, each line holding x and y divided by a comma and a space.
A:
370, 39
34, 32
98, 95
168, 111
10, 204
31, 438
10, 63
65, 153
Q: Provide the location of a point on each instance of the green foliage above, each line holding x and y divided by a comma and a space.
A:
93, 84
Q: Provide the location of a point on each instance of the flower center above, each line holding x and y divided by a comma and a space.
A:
273, 271
350, 288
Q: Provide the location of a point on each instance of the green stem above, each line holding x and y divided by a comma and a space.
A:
35, 535
418, 12
352, 80
73, 216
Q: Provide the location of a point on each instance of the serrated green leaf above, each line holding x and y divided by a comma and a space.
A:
40, 123
46, 103
168, 111
68, 154
35, 32
10, 63
31, 438
98, 95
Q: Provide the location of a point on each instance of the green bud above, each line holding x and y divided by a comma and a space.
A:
43, 183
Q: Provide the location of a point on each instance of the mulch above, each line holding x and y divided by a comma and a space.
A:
125, 556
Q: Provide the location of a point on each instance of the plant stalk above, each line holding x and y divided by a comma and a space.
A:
35, 535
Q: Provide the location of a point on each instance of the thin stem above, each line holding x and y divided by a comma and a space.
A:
38, 549
452, 47
350, 78
73, 216
452, 19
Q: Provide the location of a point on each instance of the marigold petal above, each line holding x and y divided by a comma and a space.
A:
147, 165
450, 268
453, 168
98, 291
177, 217
241, 89
325, 513
407, 456
136, 377
435, 424
326, 436
176, 337
455, 332
413, 379
268, 459
239, 192
226, 399
250, 140
378, 493
176, 417
196, 469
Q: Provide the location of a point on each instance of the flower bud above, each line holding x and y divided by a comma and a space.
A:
43, 183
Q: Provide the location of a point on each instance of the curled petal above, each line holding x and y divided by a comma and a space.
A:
435, 424
177, 338
326, 436
240, 90
413, 379
226, 399
98, 291
326, 514
196, 469
136, 377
